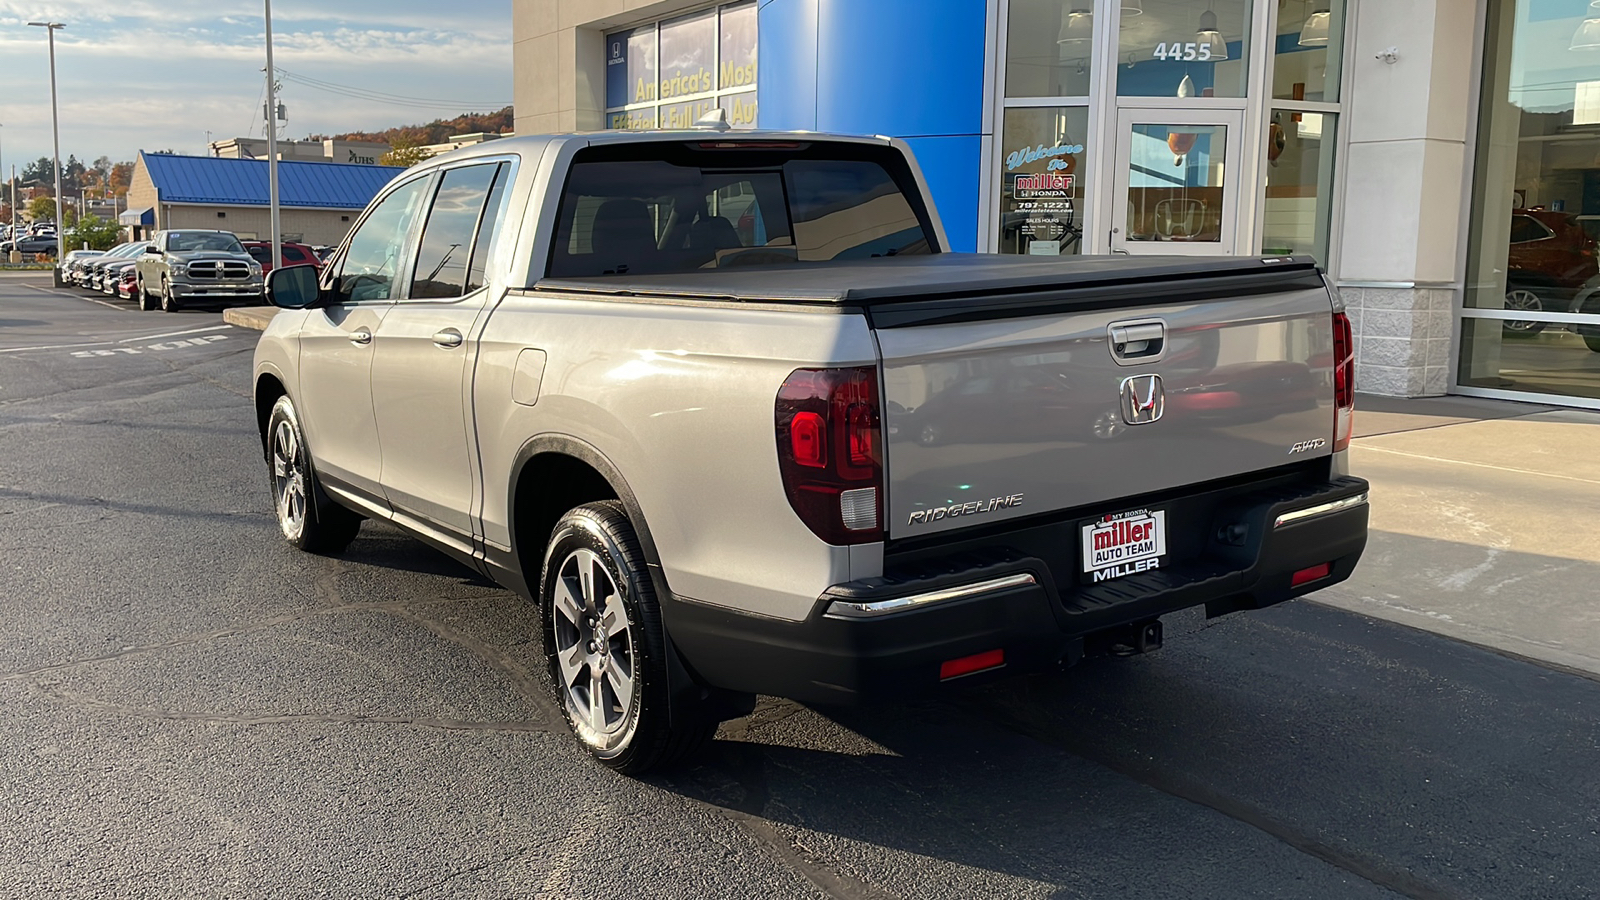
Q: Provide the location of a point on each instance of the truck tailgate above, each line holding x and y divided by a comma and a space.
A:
994, 411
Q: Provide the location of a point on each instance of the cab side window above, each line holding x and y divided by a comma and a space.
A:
445, 250
371, 266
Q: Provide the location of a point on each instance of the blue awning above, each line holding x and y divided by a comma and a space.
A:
146, 216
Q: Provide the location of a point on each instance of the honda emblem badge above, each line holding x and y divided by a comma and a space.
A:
1142, 399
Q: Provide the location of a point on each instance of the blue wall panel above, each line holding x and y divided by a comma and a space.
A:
786, 79
900, 67
952, 167
908, 68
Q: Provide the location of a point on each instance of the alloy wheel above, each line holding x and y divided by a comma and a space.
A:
594, 644
288, 480
1526, 300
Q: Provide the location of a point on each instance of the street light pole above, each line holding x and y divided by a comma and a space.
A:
55, 131
272, 148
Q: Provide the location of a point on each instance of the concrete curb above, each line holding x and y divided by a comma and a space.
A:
256, 317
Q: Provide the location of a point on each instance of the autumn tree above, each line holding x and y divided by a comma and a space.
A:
121, 178
42, 207
404, 152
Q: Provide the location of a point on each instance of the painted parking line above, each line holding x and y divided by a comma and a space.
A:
60, 293
179, 344
132, 340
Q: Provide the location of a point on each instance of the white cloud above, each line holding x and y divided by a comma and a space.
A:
158, 73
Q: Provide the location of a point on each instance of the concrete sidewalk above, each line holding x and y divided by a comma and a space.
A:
1485, 524
256, 317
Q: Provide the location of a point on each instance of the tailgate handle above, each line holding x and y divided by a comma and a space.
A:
1133, 342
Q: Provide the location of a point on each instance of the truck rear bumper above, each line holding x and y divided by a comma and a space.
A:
994, 611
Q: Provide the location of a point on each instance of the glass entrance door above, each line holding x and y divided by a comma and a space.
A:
1176, 189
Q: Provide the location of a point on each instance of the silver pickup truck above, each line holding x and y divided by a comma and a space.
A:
726, 410
194, 264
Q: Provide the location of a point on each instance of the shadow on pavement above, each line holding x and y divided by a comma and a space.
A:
1431, 768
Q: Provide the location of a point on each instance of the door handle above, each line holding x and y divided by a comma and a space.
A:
448, 339
361, 336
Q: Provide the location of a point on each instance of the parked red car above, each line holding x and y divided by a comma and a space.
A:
128, 283
293, 254
1550, 258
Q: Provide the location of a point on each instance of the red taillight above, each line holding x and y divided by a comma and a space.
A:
1306, 576
830, 452
1344, 382
808, 439
966, 665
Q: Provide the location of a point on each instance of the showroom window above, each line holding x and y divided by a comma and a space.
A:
667, 74
1184, 49
1302, 129
1531, 318
1188, 127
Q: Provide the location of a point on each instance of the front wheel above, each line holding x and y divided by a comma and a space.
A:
605, 645
169, 303
1593, 340
307, 518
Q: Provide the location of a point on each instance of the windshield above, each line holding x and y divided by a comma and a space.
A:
191, 241
681, 207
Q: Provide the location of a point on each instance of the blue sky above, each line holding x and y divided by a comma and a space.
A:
157, 74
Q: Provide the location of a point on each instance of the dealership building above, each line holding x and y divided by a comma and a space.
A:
1440, 158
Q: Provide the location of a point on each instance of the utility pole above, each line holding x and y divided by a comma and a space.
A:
272, 147
55, 133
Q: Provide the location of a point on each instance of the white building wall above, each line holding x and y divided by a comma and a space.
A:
1404, 194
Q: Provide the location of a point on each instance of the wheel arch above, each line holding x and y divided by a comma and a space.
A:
269, 387
576, 472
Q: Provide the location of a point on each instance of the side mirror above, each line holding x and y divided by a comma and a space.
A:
293, 287
152, 249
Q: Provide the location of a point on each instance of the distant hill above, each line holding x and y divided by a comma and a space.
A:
435, 132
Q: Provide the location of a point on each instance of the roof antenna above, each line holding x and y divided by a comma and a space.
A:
715, 120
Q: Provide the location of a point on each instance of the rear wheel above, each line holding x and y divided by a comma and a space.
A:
605, 645
146, 302
307, 518
1593, 340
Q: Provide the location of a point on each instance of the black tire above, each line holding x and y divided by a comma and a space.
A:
169, 303
306, 517
642, 739
1593, 340
929, 435
146, 302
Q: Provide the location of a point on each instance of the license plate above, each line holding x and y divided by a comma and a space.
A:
1124, 543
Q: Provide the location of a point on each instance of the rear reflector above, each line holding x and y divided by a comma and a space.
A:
966, 665
1306, 576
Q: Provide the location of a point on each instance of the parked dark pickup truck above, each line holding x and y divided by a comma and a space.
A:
724, 405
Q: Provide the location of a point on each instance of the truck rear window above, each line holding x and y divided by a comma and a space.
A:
708, 209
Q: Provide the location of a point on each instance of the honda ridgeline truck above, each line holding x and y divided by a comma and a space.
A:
726, 408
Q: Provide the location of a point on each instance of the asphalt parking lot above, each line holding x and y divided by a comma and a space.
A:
188, 707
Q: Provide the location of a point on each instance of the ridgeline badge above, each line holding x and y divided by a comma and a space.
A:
974, 508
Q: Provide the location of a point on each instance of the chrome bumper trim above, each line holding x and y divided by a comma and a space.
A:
1321, 509
841, 609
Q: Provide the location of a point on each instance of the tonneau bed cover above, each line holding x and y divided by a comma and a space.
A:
946, 275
